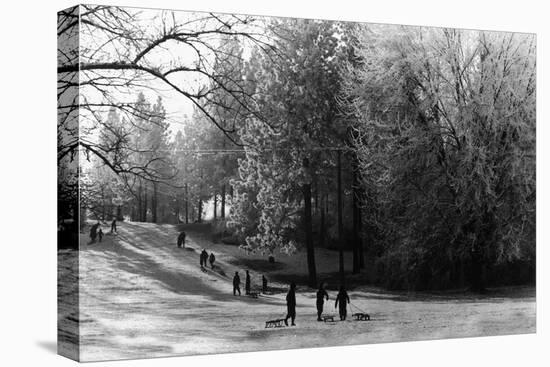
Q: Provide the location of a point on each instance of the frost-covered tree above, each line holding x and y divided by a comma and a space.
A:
446, 143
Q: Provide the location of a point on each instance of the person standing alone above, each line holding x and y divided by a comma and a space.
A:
236, 284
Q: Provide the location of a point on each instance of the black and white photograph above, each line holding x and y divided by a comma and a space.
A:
234, 183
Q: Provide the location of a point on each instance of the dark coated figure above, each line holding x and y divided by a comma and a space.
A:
113, 226
342, 299
236, 283
100, 234
181, 239
93, 232
291, 304
321, 295
247, 283
211, 259
203, 258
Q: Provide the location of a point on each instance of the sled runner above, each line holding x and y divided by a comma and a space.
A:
274, 323
360, 316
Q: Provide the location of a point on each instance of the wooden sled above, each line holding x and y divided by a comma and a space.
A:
253, 294
361, 316
274, 323
328, 318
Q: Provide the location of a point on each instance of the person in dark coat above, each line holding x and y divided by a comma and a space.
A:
113, 226
342, 299
100, 234
181, 239
264, 284
93, 232
321, 294
236, 283
204, 258
212, 258
291, 305
247, 283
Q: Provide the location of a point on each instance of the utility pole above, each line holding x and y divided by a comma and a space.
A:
340, 222
186, 204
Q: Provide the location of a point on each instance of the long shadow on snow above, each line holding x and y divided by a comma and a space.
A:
140, 264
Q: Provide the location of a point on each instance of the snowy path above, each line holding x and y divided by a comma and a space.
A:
141, 296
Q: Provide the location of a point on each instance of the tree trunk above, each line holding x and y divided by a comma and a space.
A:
199, 217
154, 199
139, 215
222, 214
312, 273
103, 203
322, 225
357, 243
119, 213
186, 204
340, 221
215, 206
144, 213
477, 281
316, 196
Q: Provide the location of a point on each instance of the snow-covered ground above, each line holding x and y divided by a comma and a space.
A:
141, 296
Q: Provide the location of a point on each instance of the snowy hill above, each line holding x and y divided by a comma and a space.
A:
141, 296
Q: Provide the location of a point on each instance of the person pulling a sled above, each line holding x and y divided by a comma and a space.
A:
342, 299
291, 305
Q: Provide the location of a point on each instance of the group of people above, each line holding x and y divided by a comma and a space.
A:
97, 233
247, 284
205, 259
342, 300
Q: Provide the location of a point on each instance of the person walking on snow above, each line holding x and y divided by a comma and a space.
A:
342, 299
321, 294
93, 232
236, 283
113, 226
212, 258
203, 258
291, 305
247, 283
181, 239
100, 234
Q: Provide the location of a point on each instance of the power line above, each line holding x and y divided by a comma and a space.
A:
241, 151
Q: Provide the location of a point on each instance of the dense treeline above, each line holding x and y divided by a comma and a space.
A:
414, 148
